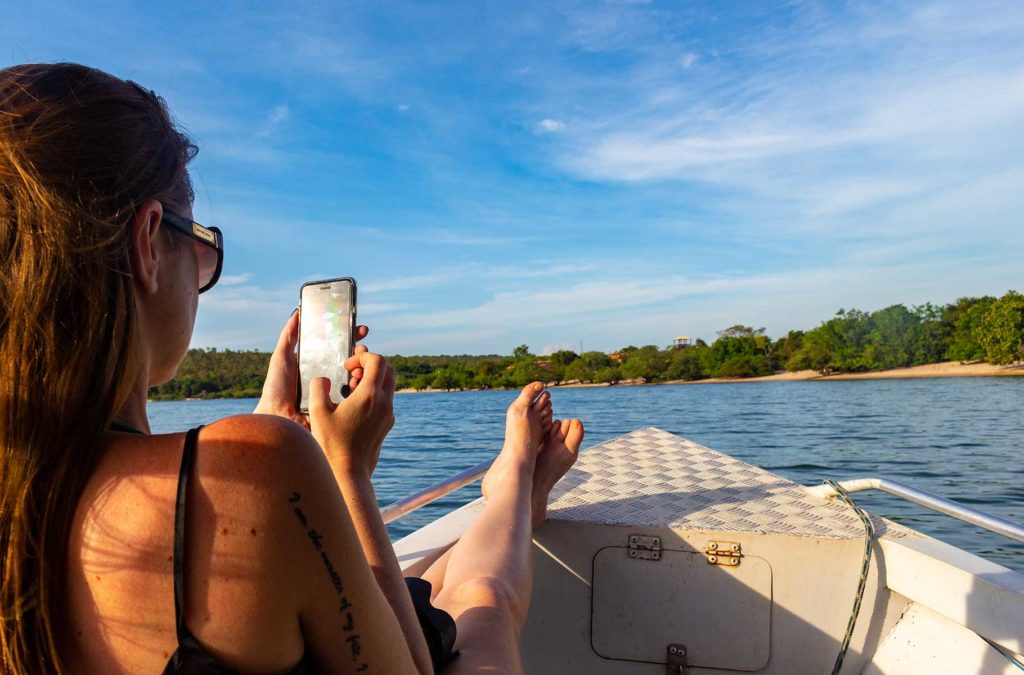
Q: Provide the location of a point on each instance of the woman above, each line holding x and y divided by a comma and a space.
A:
253, 544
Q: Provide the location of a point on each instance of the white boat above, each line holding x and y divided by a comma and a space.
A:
663, 556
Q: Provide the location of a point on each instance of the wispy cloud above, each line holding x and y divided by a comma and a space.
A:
453, 237
888, 120
550, 126
403, 283
276, 117
235, 279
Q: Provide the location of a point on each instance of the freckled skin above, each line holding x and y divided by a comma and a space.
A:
253, 531
224, 531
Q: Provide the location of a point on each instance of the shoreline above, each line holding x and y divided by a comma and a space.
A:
926, 371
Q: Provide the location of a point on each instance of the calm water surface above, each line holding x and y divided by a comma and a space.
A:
960, 438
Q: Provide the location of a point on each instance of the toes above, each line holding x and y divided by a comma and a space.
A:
541, 401
527, 395
563, 430
573, 434
551, 431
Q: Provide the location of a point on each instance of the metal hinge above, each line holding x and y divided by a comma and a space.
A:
643, 547
675, 660
723, 553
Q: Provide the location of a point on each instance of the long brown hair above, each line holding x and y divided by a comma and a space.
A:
80, 151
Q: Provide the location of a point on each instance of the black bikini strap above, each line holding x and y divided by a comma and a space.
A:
187, 457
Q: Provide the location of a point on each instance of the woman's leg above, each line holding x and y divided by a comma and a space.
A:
487, 577
557, 455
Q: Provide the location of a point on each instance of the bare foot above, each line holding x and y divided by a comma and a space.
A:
559, 452
527, 425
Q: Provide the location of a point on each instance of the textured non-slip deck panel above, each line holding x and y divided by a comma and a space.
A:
650, 478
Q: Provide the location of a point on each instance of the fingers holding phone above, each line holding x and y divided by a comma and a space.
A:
355, 371
279, 388
278, 395
352, 432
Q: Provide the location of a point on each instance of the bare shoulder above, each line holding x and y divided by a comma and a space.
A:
266, 441
241, 547
242, 590
247, 469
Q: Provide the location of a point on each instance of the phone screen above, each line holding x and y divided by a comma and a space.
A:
327, 320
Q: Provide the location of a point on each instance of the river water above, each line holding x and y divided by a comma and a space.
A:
962, 438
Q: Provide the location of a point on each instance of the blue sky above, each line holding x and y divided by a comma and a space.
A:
497, 173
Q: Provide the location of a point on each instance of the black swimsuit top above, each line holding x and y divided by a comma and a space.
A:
190, 658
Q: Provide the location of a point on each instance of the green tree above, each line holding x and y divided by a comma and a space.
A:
851, 329
445, 378
739, 330
563, 357
969, 314
610, 374
527, 371
487, 375
586, 366
892, 335
744, 365
521, 352
742, 348
785, 348
935, 331
817, 350
647, 363
1002, 330
684, 364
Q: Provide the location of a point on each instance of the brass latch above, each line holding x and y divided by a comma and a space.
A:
723, 553
644, 548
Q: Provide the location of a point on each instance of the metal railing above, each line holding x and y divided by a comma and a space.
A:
968, 514
393, 512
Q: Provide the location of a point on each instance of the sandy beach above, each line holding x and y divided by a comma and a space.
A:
944, 369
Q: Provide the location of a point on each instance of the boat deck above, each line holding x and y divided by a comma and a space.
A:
629, 566
651, 478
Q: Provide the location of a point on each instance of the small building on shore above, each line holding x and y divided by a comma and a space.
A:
680, 341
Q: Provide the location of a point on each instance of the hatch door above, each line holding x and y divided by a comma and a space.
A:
721, 614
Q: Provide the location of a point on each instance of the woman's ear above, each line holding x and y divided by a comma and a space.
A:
145, 253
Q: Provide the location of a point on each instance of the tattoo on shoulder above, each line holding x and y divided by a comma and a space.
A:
345, 608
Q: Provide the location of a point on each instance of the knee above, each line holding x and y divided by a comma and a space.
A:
489, 593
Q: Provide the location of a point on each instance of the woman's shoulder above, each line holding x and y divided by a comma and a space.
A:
242, 457
260, 444
242, 599
251, 465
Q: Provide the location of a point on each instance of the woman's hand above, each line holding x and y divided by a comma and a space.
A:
351, 433
281, 387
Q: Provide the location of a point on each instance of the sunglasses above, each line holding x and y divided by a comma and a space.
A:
208, 244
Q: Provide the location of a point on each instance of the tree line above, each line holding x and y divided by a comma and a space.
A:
970, 329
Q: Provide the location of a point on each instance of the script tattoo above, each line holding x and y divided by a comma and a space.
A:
352, 638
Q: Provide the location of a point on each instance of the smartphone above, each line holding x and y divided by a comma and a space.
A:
327, 324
